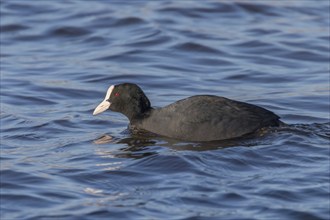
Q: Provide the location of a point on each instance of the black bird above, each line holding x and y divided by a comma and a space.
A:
197, 118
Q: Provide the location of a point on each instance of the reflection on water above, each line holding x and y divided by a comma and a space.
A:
137, 142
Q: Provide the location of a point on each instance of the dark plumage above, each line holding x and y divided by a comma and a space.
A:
197, 118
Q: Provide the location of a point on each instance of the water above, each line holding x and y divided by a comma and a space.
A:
59, 57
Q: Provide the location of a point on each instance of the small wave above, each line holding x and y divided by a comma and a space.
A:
68, 31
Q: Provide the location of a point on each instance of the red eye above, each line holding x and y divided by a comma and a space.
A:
116, 94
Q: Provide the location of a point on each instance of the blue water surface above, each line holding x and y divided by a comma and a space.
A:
58, 58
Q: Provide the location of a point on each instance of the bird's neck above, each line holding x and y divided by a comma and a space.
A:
137, 117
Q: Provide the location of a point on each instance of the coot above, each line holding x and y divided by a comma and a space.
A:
197, 118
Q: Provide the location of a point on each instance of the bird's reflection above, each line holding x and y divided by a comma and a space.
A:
142, 144
135, 144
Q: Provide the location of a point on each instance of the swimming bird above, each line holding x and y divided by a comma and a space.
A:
196, 118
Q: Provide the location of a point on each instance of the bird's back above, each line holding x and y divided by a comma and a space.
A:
207, 118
